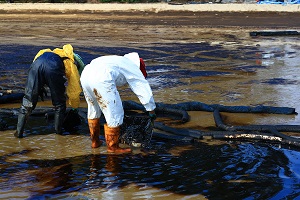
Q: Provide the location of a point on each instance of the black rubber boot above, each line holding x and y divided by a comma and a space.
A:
22, 119
59, 119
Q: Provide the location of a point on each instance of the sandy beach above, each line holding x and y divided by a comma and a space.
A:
154, 7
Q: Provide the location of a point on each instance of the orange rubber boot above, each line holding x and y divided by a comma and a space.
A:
94, 126
112, 140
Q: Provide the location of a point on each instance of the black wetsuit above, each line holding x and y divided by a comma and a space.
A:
48, 69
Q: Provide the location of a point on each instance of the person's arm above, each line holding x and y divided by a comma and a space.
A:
140, 86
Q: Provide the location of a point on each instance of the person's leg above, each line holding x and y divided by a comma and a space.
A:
110, 103
56, 83
30, 98
54, 76
94, 114
23, 115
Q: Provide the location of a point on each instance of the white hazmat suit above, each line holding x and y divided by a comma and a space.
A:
100, 79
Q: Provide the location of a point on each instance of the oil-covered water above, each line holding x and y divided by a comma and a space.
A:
44, 165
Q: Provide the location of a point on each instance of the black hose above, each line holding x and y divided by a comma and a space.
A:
184, 115
132, 105
188, 106
183, 132
172, 137
9, 111
273, 33
286, 137
283, 128
35, 112
199, 106
270, 128
8, 98
219, 122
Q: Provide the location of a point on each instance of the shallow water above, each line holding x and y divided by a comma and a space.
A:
44, 165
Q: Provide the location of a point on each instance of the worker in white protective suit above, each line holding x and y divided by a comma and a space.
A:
99, 81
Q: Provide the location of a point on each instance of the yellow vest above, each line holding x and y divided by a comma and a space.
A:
73, 88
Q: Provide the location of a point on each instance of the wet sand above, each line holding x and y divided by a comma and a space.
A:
124, 24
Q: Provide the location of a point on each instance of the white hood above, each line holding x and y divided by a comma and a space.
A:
134, 57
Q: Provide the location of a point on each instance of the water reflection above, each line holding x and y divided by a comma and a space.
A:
226, 171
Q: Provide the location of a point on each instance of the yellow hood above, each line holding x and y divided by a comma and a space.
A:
73, 88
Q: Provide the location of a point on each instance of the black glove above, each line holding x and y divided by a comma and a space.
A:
74, 110
71, 120
152, 116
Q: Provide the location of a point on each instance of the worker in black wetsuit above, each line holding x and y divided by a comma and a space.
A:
54, 69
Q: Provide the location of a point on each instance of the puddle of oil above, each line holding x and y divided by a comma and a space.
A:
54, 166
